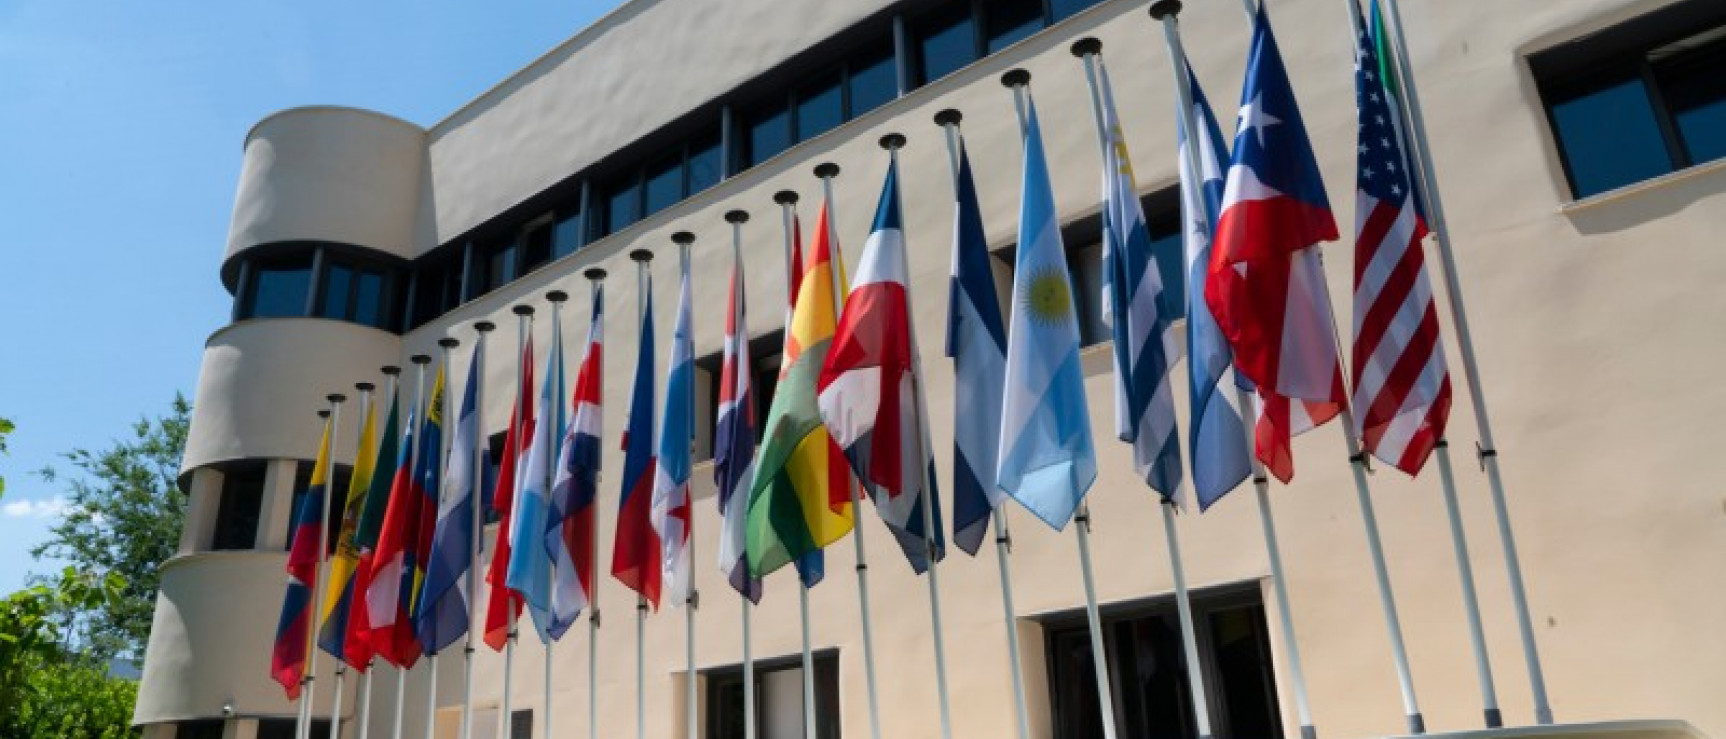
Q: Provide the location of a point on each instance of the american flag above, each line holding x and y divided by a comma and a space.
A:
1401, 385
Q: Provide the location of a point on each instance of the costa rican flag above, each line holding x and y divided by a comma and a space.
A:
734, 443
868, 390
1265, 284
672, 514
1401, 384
569, 527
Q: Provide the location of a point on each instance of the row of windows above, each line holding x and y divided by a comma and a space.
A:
318, 281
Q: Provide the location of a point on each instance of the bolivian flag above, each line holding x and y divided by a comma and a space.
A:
339, 596
799, 500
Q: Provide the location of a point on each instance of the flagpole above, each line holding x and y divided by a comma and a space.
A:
336, 400
1089, 50
523, 327
595, 277
787, 200
949, 120
414, 417
393, 374
826, 171
303, 717
1487, 450
445, 444
893, 142
641, 257
478, 513
1019, 81
684, 240
365, 389
556, 298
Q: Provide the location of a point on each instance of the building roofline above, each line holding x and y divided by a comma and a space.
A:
250, 132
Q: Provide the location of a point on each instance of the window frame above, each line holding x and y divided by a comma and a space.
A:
828, 691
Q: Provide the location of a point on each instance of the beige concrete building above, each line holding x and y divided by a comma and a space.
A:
1579, 146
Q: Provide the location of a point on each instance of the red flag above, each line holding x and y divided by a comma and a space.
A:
503, 604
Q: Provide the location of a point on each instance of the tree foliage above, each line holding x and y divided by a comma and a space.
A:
123, 515
46, 689
6, 429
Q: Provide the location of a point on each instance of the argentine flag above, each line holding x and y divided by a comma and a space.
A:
1047, 459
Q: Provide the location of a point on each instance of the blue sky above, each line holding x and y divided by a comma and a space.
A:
119, 151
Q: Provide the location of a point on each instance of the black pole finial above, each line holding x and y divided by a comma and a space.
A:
893, 141
949, 117
785, 197
557, 296
420, 359
449, 342
364, 387
323, 413
1016, 78
483, 326
1165, 9
594, 273
390, 370
1086, 46
641, 255
826, 169
336, 398
523, 310
682, 237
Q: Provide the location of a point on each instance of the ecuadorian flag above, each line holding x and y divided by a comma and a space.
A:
294, 630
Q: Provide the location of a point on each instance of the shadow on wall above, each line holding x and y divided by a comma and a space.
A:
1648, 201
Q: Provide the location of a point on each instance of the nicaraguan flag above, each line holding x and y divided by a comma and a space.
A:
671, 507
977, 342
441, 615
1048, 461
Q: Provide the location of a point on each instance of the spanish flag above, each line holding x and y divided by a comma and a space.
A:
294, 630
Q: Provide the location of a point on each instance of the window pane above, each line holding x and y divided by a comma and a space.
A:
428, 292
946, 42
768, 133
873, 81
1609, 137
536, 247
369, 298
237, 511
280, 289
499, 264
820, 107
1085, 269
1011, 20
1064, 9
1241, 647
706, 163
622, 206
338, 280
1696, 91
664, 184
566, 233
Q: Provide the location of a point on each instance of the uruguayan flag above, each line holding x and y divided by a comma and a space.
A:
1215, 433
1047, 459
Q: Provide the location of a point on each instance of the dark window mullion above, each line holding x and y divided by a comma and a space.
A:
1675, 147
979, 31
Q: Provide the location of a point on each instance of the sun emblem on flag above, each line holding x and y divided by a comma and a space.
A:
1047, 298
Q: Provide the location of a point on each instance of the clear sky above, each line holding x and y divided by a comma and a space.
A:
121, 123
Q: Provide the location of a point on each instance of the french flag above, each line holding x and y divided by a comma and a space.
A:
569, 528
1265, 283
635, 546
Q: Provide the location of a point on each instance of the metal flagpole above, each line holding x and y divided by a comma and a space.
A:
523, 328
826, 172
1019, 81
336, 702
415, 416
556, 298
949, 120
641, 257
787, 200
1090, 52
595, 276
478, 452
323, 579
684, 240
393, 373
893, 142
1487, 450
446, 441
365, 389
303, 715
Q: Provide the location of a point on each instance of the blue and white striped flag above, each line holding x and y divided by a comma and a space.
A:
1215, 433
441, 616
1146, 346
977, 342
529, 571
1048, 461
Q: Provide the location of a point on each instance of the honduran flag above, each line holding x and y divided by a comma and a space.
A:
635, 545
441, 613
672, 514
734, 442
294, 630
977, 342
357, 645
569, 532
1266, 283
869, 389
503, 603
339, 594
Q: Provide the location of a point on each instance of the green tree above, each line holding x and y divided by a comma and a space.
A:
6, 428
46, 689
123, 515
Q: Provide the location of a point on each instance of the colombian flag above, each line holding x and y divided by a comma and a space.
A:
294, 630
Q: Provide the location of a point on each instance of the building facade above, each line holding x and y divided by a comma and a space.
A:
1579, 146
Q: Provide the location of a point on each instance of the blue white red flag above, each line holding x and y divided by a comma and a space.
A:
672, 513
529, 570
635, 545
977, 343
734, 443
441, 615
569, 531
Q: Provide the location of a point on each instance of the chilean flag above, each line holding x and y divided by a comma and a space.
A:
1265, 282
569, 527
503, 604
635, 546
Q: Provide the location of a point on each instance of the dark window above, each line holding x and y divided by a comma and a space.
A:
242, 497
946, 41
566, 233
496, 264
279, 287
521, 724
332, 508
437, 286
353, 293
283, 728
203, 729
872, 80
535, 247
1064, 9
664, 185
767, 132
622, 204
706, 162
1008, 21
820, 107
338, 291
778, 697
1147, 670
1638, 100
764, 360
369, 298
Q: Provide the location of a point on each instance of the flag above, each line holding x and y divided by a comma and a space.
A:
503, 603
357, 644
734, 442
1047, 460
528, 573
294, 630
1135, 301
1401, 384
398, 568
635, 545
977, 343
569, 528
798, 501
1265, 283
869, 390
672, 512
441, 613
1216, 436
339, 596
